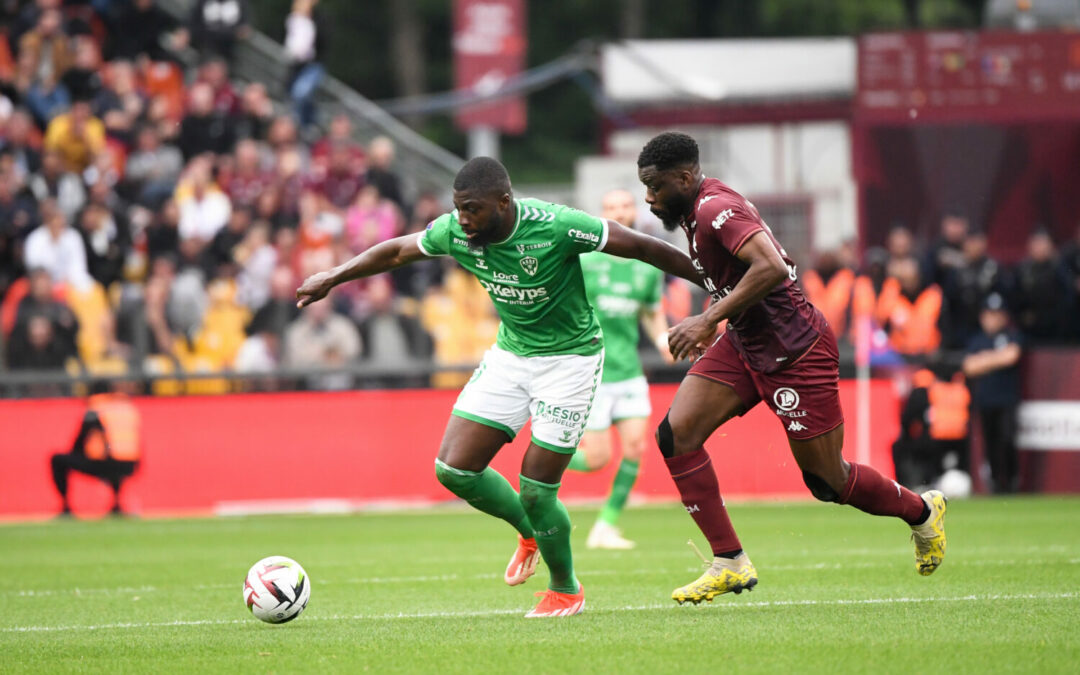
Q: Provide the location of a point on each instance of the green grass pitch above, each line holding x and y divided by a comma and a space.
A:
422, 591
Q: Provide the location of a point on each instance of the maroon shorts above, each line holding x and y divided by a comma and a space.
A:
805, 395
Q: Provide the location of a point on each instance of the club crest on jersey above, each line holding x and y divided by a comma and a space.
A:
722, 218
529, 264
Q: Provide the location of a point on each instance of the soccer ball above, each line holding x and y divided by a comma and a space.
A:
956, 484
277, 589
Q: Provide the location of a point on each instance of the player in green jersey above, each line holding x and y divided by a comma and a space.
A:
623, 293
545, 363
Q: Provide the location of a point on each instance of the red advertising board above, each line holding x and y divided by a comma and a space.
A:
262, 451
489, 48
942, 76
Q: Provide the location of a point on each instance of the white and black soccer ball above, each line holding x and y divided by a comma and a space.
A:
277, 589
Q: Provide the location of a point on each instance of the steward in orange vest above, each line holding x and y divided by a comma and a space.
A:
908, 312
933, 424
108, 447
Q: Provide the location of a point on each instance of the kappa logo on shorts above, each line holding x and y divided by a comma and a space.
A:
786, 398
796, 426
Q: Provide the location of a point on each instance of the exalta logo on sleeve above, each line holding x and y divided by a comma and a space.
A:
582, 236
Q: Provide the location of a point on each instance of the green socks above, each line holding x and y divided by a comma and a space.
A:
624, 481
486, 491
551, 525
578, 462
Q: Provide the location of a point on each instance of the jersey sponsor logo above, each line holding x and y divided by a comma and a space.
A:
559, 415
583, 236
705, 200
499, 276
722, 218
786, 398
481, 264
693, 508
523, 296
530, 265
458, 241
532, 247
796, 426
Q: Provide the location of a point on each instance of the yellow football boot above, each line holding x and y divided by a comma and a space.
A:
725, 575
929, 537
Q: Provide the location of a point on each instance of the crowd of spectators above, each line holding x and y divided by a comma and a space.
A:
158, 220
921, 305
154, 219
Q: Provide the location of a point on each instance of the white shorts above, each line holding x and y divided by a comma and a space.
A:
619, 401
556, 391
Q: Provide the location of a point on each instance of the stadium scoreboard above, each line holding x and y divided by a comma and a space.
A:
942, 76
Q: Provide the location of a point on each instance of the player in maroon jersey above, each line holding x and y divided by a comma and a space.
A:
777, 348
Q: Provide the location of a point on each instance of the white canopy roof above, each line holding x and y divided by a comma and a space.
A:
655, 71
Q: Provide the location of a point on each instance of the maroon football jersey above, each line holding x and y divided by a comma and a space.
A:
773, 333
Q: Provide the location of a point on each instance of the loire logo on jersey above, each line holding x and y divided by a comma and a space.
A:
583, 236
722, 218
499, 276
796, 426
530, 264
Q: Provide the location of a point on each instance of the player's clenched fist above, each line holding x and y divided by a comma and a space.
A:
691, 335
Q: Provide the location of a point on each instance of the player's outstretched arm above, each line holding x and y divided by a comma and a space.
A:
765, 269
380, 258
627, 243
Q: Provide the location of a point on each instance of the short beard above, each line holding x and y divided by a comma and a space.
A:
669, 224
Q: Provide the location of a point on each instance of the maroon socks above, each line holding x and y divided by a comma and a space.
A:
867, 490
694, 476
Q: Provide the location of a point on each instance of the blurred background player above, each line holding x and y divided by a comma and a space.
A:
108, 446
777, 348
545, 364
623, 292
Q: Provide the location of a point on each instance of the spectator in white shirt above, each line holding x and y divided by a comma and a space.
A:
206, 209
58, 248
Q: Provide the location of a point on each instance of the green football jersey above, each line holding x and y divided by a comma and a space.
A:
533, 276
619, 288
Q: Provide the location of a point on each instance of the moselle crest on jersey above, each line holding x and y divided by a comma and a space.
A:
529, 264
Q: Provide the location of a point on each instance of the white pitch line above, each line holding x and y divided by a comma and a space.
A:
735, 605
124, 590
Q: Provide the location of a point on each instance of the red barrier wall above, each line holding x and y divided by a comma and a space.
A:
364, 446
